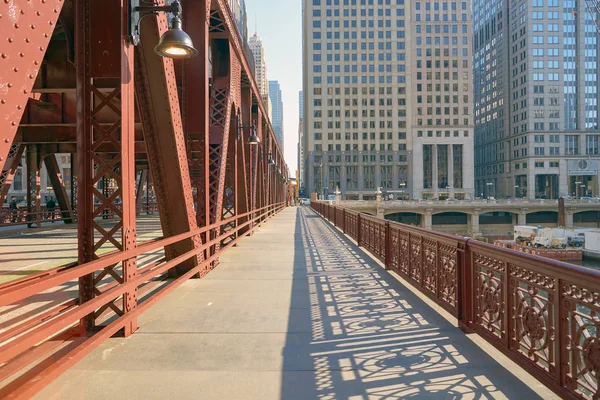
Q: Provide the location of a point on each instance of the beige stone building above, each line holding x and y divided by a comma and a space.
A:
388, 98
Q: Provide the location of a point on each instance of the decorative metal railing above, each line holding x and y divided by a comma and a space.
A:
543, 314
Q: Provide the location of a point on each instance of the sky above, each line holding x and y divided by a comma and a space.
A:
279, 24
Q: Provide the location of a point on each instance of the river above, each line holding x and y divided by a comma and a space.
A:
590, 263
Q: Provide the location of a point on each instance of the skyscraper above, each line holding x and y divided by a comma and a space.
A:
277, 102
301, 140
536, 99
388, 98
260, 67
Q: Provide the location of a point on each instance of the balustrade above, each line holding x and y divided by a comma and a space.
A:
543, 314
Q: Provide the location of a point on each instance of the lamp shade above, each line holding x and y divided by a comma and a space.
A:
175, 43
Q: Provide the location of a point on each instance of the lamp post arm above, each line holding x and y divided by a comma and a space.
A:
174, 8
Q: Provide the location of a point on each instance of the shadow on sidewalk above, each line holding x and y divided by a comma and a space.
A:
371, 337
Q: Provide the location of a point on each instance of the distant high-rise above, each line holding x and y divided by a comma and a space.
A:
536, 99
277, 103
301, 140
260, 66
388, 98
238, 10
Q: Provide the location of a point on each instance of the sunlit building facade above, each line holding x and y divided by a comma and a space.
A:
388, 98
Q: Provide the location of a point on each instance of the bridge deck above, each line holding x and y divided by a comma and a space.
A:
297, 311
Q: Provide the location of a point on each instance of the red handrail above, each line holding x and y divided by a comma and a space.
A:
28, 332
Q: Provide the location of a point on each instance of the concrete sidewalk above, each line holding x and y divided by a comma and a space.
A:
295, 312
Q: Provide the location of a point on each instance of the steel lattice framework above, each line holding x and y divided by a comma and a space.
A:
72, 82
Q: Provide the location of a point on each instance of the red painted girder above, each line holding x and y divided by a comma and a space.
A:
195, 104
58, 187
27, 27
10, 168
156, 92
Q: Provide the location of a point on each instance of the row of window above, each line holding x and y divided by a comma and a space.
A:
356, 147
357, 2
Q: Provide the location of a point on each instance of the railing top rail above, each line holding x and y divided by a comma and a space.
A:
537, 262
15, 290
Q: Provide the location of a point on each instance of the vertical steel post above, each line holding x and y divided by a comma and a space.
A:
73, 193
33, 186
139, 196
128, 230
359, 229
388, 245
85, 198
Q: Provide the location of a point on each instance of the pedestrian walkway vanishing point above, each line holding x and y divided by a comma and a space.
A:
296, 311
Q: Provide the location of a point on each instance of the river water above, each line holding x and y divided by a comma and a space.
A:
588, 262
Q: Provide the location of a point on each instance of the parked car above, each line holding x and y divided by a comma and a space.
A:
575, 241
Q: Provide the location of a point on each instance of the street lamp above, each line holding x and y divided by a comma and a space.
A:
402, 185
271, 161
577, 190
253, 139
516, 191
489, 184
174, 43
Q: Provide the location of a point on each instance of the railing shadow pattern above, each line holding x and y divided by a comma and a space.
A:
372, 338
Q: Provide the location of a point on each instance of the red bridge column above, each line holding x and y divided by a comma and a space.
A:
105, 91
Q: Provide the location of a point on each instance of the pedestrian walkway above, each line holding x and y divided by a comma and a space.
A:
296, 311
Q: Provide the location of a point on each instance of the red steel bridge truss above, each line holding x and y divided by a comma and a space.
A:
71, 81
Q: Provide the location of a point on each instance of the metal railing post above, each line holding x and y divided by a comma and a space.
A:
388, 245
358, 229
465, 287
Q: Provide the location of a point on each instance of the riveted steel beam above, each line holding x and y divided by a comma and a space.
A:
27, 31
105, 91
195, 104
158, 100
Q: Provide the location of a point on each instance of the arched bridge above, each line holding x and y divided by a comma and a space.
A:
520, 210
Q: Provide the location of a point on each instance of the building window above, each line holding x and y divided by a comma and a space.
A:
457, 153
351, 178
427, 166
591, 145
571, 145
442, 159
386, 177
369, 177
